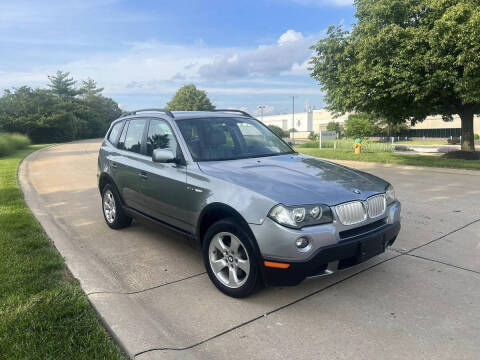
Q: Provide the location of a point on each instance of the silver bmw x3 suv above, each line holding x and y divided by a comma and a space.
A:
261, 212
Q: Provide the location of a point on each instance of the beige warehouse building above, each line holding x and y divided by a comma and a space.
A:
314, 120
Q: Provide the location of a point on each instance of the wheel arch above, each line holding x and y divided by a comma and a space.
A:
105, 179
217, 211
214, 212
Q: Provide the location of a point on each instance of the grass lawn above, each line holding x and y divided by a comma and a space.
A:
44, 313
392, 158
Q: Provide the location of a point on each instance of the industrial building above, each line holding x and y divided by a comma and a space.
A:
316, 120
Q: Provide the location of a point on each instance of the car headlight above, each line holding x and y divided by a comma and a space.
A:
300, 216
390, 194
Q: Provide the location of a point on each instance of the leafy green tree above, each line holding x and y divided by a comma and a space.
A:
312, 136
334, 126
62, 85
47, 117
189, 98
361, 125
277, 130
89, 88
405, 60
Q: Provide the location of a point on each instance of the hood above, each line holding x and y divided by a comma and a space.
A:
297, 179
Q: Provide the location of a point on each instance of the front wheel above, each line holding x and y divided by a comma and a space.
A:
112, 209
230, 259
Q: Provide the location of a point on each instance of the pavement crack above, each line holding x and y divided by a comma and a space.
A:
443, 236
316, 292
265, 314
147, 289
444, 263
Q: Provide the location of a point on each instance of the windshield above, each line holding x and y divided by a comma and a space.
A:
213, 139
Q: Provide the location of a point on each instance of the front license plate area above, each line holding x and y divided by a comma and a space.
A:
370, 248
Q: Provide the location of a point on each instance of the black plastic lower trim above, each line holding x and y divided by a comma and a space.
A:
349, 253
137, 214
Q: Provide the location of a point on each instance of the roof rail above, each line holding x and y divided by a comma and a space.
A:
168, 112
233, 110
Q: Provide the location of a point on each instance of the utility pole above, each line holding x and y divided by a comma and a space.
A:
261, 107
293, 117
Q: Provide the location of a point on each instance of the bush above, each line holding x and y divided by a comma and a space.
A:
312, 136
277, 130
11, 142
454, 141
20, 141
476, 137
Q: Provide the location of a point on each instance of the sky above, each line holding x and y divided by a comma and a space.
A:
243, 53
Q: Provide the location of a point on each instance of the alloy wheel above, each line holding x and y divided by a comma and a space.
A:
229, 260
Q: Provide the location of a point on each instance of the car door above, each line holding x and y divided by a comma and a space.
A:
165, 188
127, 164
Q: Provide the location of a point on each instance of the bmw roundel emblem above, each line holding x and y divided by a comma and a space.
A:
356, 191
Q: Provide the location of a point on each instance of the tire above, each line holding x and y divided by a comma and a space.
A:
230, 258
112, 209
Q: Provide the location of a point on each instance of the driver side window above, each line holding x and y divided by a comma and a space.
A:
160, 136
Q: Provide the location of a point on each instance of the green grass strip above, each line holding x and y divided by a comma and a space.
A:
392, 158
44, 313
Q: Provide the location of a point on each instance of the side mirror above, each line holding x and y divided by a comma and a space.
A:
163, 156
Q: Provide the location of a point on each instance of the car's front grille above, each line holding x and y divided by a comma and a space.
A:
376, 205
355, 212
351, 213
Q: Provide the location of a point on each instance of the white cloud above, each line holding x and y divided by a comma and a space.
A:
266, 60
157, 68
268, 109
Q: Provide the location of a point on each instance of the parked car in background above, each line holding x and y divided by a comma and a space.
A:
262, 213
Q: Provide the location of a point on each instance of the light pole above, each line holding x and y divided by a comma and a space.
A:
293, 117
261, 107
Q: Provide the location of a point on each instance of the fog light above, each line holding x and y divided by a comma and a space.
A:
301, 243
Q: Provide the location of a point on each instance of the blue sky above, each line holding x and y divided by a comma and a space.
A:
243, 53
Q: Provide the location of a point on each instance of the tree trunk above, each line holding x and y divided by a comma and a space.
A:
467, 129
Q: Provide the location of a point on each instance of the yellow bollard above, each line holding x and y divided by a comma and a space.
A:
358, 146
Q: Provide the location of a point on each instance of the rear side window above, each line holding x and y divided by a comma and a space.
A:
134, 135
113, 136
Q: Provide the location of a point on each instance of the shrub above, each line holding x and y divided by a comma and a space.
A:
11, 142
454, 141
20, 141
312, 136
476, 137
6, 146
277, 130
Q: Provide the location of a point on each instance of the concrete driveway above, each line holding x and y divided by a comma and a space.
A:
419, 300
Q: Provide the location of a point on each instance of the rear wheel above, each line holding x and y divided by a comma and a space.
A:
113, 212
230, 258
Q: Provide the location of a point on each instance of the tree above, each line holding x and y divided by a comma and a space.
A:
334, 126
47, 117
361, 125
405, 60
62, 85
277, 130
89, 88
189, 98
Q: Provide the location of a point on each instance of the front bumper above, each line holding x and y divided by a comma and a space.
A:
332, 246
335, 257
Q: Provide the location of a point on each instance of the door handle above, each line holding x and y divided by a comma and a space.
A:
114, 165
143, 175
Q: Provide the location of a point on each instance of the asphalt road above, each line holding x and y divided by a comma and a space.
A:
421, 299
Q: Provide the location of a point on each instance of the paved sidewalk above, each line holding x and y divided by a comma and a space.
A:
419, 300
